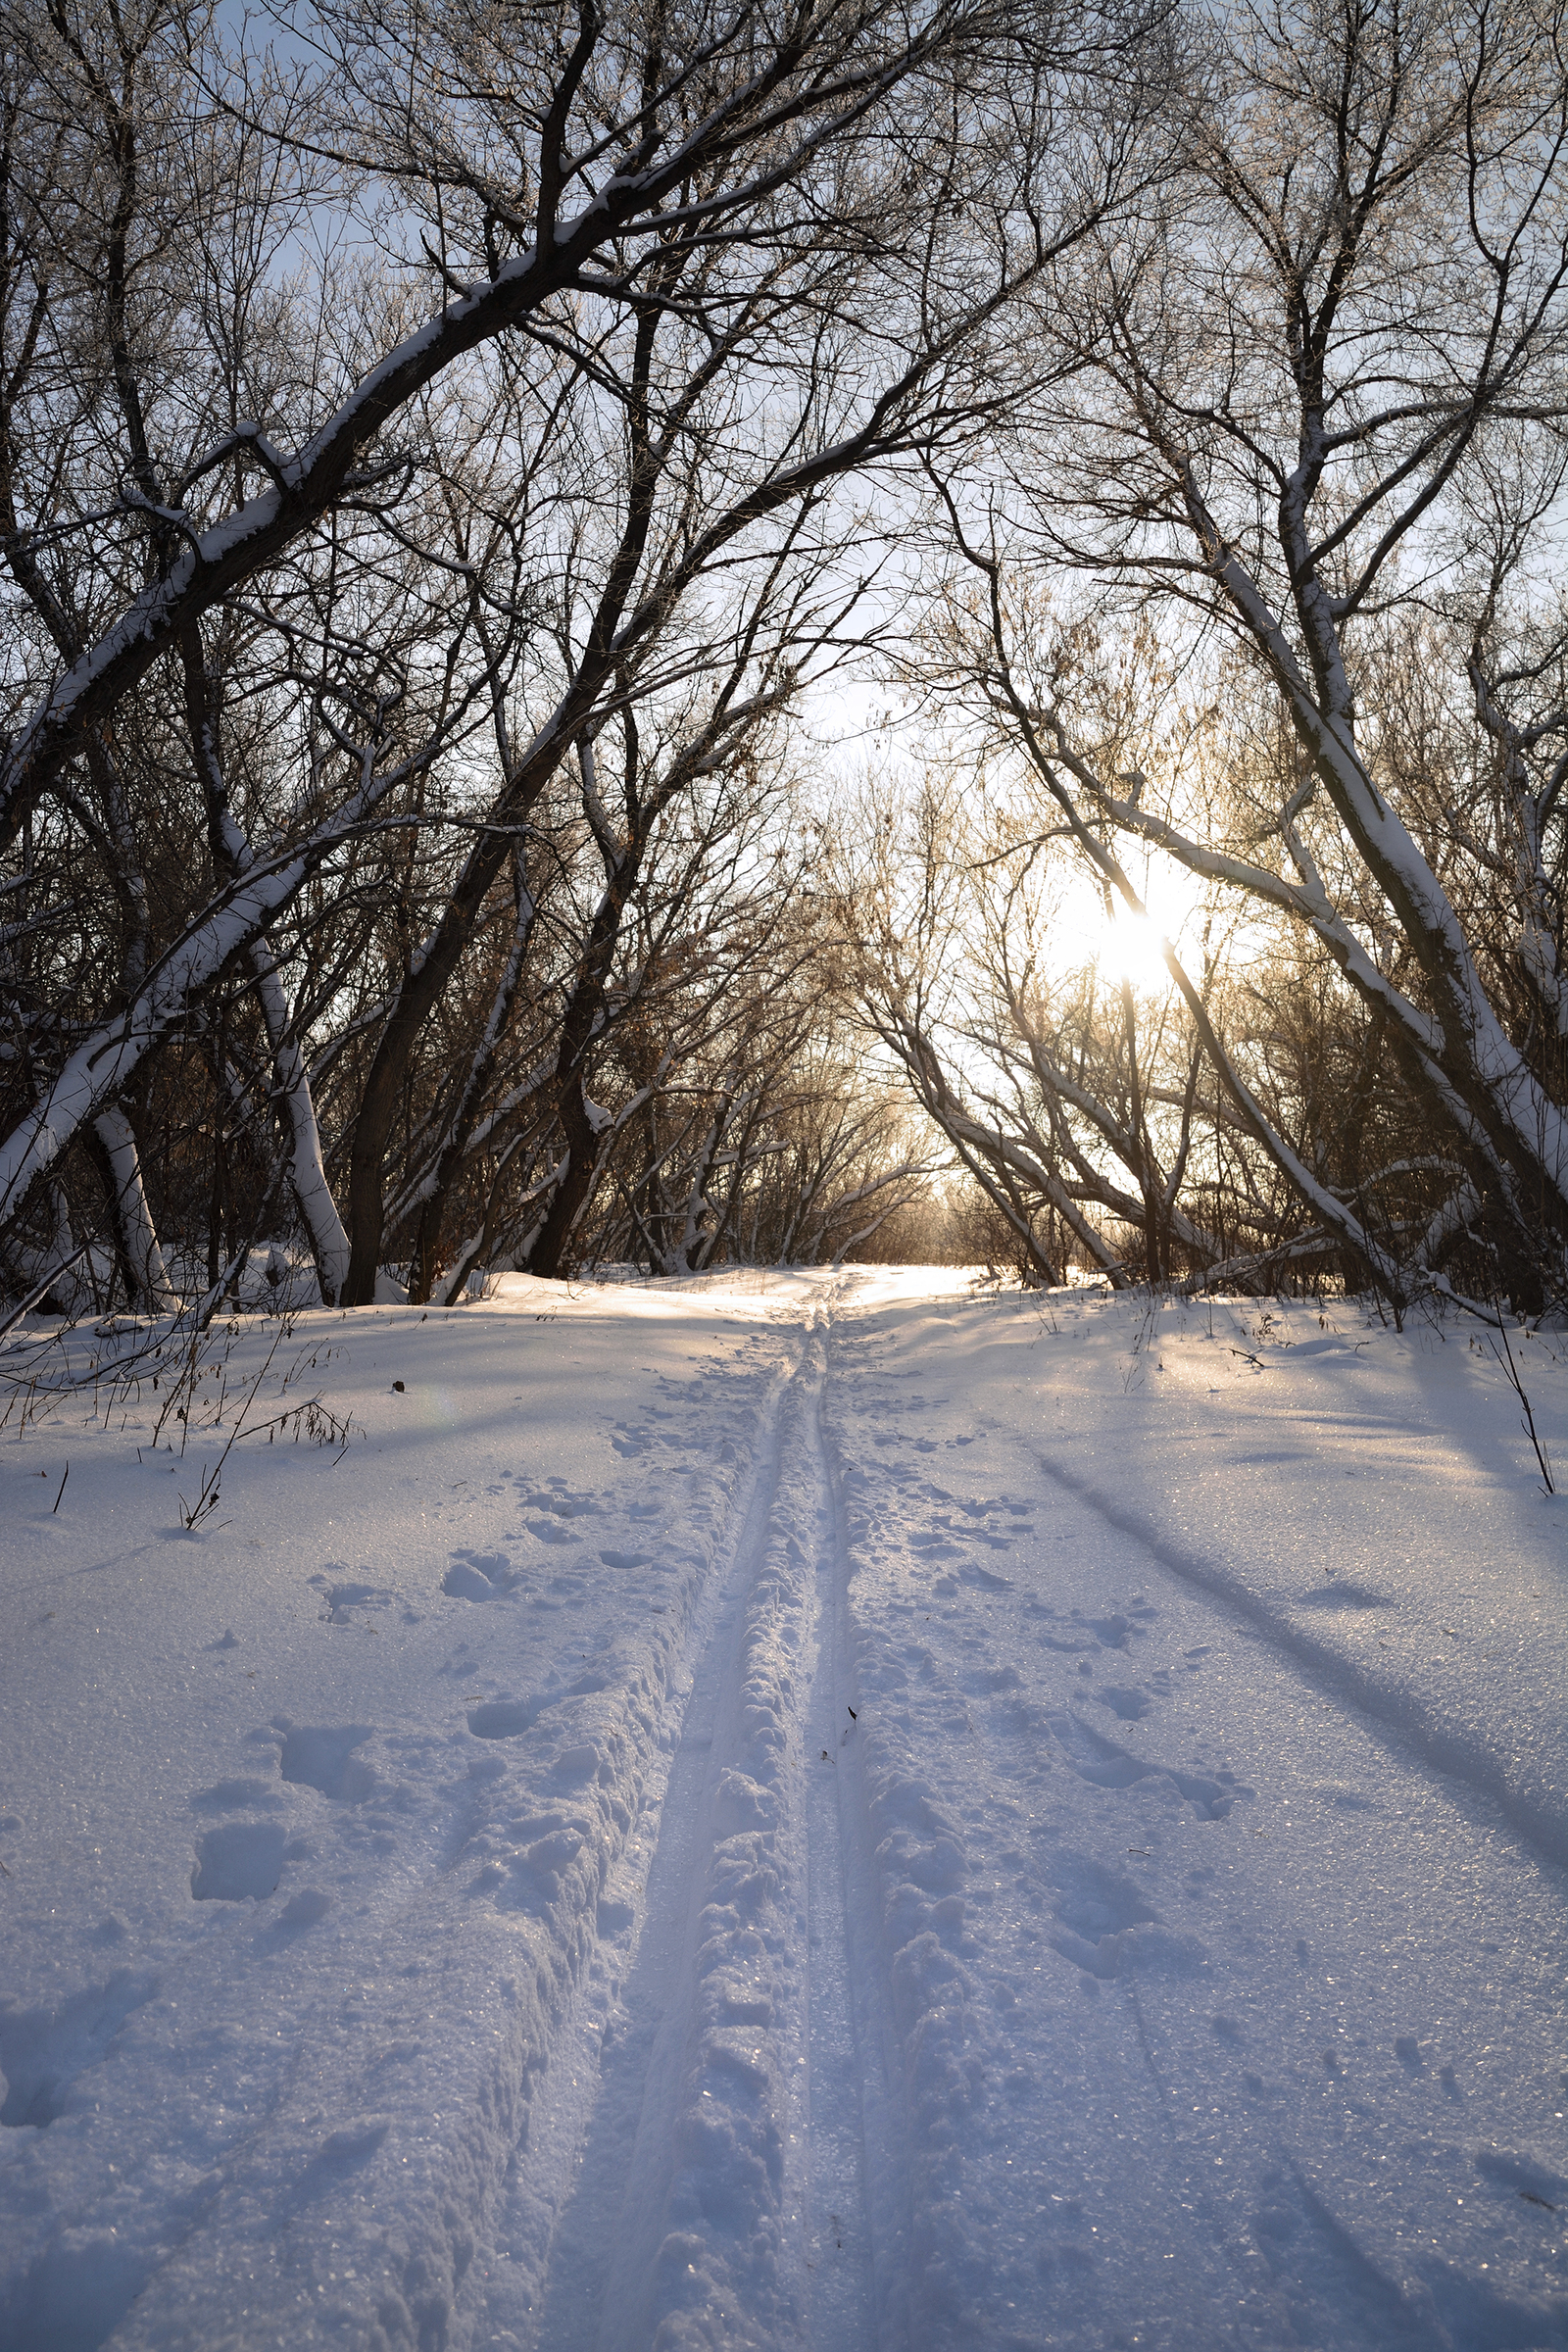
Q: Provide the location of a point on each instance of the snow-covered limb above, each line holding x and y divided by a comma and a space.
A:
480, 1248
1299, 1249
532, 1083
235, 855
997, 1160
1534, 812
437, 1182
1449, 1221
452, 1284
911, 1174
1045, 736
42, 1284
99, 1069
1477, 1055
1308, 902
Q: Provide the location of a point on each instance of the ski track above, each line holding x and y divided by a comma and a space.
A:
712, 2156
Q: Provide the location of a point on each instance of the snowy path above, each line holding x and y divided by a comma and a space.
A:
711, 2130
818, 1811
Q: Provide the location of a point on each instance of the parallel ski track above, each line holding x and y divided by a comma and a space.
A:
599, 2138
603, 2142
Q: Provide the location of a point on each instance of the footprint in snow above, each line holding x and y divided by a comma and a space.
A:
347, 1603
1094, 1902
478, 1576
307, 1908
1130, 1706
502, 1717
1111, 1632
561, 1592
242, 1862
42, 2051
324, 1759
561, 1501
973, 1574
1105, 1928
1104, 1765
988, 1681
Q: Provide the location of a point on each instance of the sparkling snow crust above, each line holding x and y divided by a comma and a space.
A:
824, 1809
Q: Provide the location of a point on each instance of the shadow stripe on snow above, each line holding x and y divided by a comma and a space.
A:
1446, 1748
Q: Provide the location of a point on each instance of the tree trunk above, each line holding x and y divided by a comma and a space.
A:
135, 1237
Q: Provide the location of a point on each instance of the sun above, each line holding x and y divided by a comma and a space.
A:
1129, 948
1121, 946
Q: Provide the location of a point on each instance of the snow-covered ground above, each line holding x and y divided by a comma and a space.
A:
823, 1810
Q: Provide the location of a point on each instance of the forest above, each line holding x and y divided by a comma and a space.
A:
691, 633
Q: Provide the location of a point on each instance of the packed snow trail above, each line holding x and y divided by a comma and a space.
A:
720, 2191
804, 1811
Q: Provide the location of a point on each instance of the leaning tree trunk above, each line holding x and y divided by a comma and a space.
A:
135, 1237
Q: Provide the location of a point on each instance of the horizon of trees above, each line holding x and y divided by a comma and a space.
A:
445, 459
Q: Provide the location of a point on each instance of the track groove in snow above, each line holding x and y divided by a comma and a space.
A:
698, 2149
854, 2159
572, 2250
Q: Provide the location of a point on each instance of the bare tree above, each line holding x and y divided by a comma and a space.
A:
1322, 390
317, 591
1071, 1102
